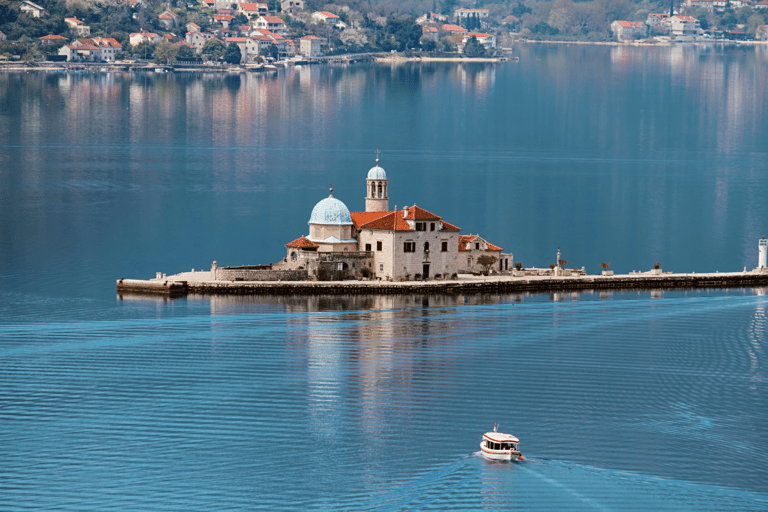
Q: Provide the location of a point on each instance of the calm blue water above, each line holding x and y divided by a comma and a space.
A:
653, 400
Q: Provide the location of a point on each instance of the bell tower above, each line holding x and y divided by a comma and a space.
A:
376, 198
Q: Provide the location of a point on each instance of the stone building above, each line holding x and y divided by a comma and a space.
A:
391, 245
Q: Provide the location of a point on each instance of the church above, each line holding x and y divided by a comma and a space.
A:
384, 244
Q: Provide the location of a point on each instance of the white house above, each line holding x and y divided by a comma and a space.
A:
487, 40
110, 48
81, 50
271, 23
471, 248
169, 18
292, 7
253, 9
33, 9
684, 25
309, 46
144, 37
466, 13
198, 39
77, 27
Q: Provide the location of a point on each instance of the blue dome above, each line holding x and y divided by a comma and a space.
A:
377, 173
330, 211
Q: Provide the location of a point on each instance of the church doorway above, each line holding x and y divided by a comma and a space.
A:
425, 274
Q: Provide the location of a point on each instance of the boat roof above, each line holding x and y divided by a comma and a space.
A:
498, 437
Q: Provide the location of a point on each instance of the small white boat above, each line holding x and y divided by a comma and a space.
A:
498, 446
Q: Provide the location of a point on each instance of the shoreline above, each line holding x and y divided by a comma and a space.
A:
177, 286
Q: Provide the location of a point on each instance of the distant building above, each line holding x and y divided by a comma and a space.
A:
53, 39
2, 36
487, 40
271, 23
224, 19
309, 46
31, 8
81, 50
144, 37
624, 30
431, 32
197, 39
472, 247
762, 4
110, 48
466, 13
77, 27
292, 7
169, 19
684, 26
431, 17
453, 29
762, 33
253, 9
513, 22
324, 17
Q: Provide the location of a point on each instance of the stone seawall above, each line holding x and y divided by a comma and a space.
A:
480, 285
247, 274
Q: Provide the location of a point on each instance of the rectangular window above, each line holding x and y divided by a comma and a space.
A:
409, 247
378, 246
381, 267
477, 247
368, 247
445, 246
431, 226
421, 226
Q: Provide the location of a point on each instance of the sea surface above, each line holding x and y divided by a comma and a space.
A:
653, 400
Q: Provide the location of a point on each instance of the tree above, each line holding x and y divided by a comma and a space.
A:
428, 44
657, 265
232, 54
487, 261
185, 52
563, 263
519, 265
606, 266
269, 51
165, 51
473, 48
144, 49
214, 49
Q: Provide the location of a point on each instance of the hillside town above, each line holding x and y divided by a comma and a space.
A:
239, 32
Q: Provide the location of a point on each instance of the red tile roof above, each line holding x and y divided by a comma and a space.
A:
453, 28
252, 7
447, 226
328, 14
492, 247
417, 213
631, 24
361, 218
53, 38
391, 221
273, 19
311, 38
302, 242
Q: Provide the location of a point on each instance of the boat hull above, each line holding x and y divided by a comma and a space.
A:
499, 454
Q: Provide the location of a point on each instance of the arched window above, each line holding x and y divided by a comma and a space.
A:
373, 190
293, 255
426, 246
380, 190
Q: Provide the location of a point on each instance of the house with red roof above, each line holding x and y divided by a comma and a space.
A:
53, 39
393, 245
487, 40
271, 23
472, 248
626, 30
77, 27
169, 18
453, 29
310, 46
684, 26
144, 37
253, 9
110, 48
